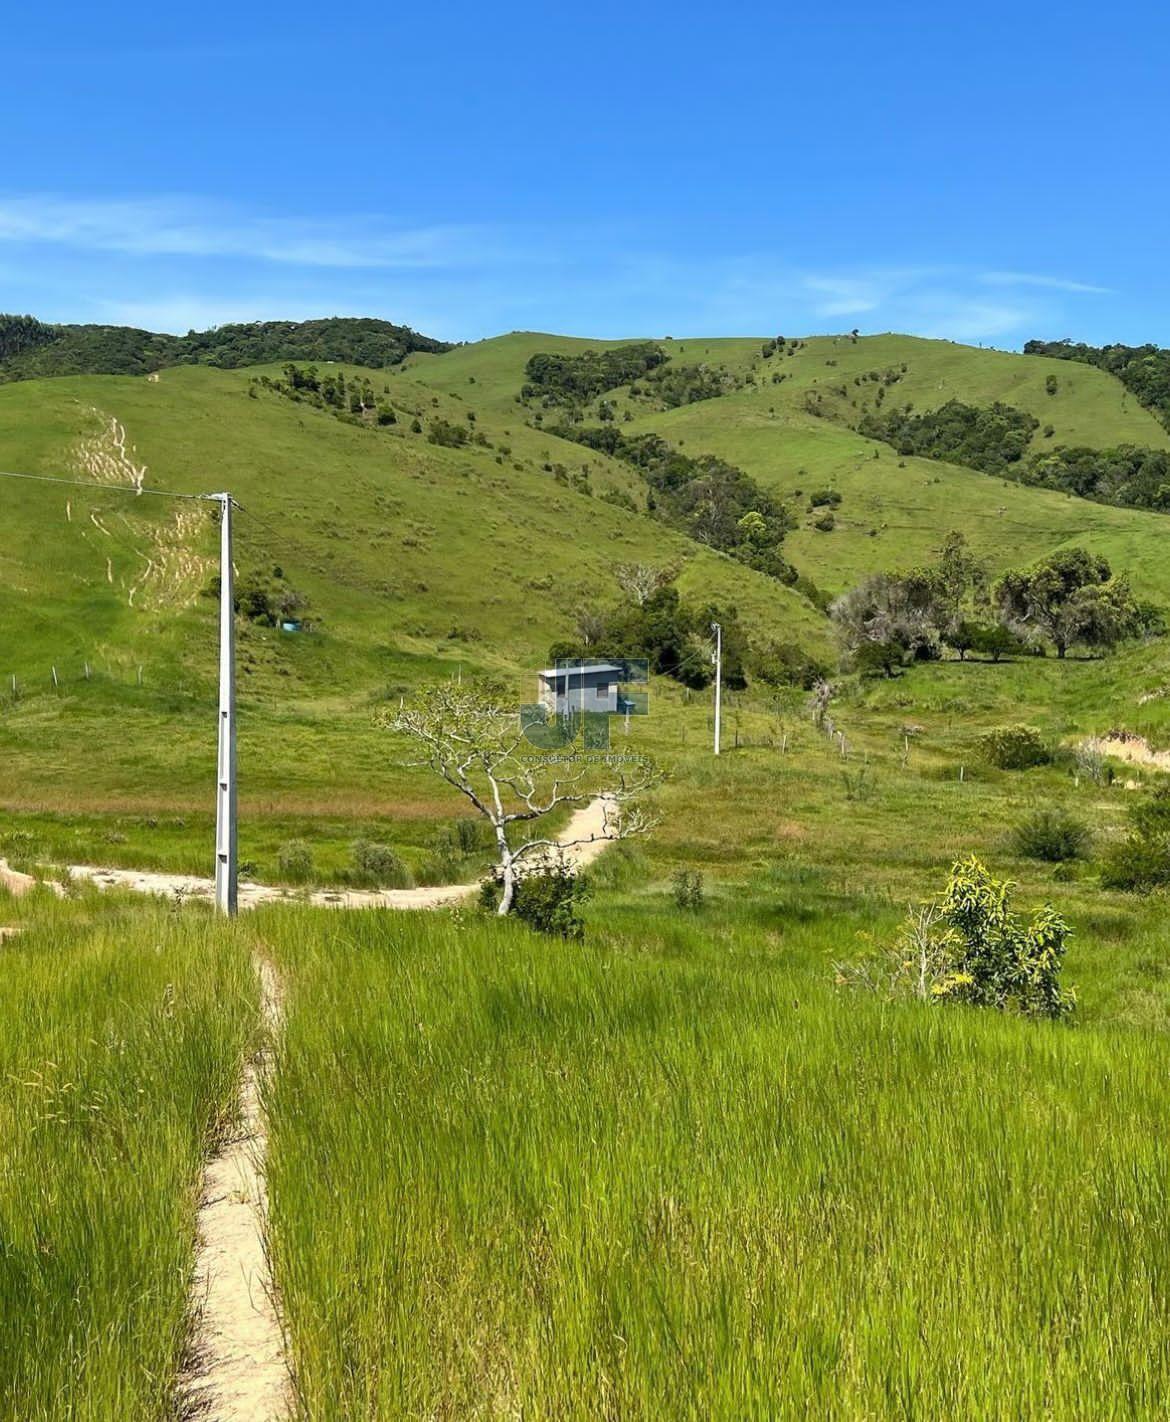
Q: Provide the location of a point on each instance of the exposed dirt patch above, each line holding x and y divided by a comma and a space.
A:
1134, 750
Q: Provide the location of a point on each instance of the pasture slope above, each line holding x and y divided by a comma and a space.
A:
675, 1170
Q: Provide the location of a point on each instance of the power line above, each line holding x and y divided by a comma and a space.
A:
94, 487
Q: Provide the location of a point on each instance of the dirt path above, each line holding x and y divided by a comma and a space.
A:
239, 1370
589, 825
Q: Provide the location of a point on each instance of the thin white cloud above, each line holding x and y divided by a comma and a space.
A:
845, 296
1049, 283
182, 228
951, 316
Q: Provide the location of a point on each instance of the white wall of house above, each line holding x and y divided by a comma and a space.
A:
579, 690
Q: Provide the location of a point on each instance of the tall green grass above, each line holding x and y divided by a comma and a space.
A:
675, 1175
123, 1032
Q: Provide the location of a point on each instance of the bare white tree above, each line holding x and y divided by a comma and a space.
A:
640, 581
473, 739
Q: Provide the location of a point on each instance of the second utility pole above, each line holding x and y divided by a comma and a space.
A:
225, 777
715, 627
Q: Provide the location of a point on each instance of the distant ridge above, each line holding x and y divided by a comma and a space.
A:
31, 348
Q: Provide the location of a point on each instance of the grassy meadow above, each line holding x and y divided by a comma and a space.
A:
124, 1030
672, 1174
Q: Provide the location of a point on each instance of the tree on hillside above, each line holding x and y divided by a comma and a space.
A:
888, 618
1070, 599
472, 738
640, 581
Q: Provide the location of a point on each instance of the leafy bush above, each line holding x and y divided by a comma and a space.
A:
967, 946
546, 901
788, 664
295, 859
378, 866
1052, 836
1014, 748
1141, 862
824, 498
687, 889
445, 432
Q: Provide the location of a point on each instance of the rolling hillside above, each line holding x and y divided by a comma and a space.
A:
416, 559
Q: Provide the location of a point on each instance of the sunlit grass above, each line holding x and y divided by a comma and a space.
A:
673, 1174
123, 1032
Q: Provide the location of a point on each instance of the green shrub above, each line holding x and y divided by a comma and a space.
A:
1053, 836
687, 889
295, 860
378, 866
546, 901
967, 946
1141, 862
1014, 748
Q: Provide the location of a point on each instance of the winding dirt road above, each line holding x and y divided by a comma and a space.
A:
584, 838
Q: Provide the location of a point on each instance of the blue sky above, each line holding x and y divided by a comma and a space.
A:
986, 173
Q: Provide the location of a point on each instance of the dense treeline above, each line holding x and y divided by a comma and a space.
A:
22, 333
714, 502
990, 439
556, 379
995, 441
30, 348
1128, 475
1143, 369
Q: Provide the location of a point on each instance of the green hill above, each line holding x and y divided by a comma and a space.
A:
417, 559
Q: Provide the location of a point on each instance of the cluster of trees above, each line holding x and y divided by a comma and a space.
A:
31, 348
1128, 475
1143, 369
354, 398
1069, 600
674, 385
23, 333
995, 440
573, 380
991, 440
712, 501
651, 620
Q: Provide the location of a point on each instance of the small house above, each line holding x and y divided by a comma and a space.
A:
581, 686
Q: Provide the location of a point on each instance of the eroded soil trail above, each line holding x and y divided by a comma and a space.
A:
239, 1369
584, 838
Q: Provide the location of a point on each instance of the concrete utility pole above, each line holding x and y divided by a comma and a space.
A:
715, 627
226, 857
